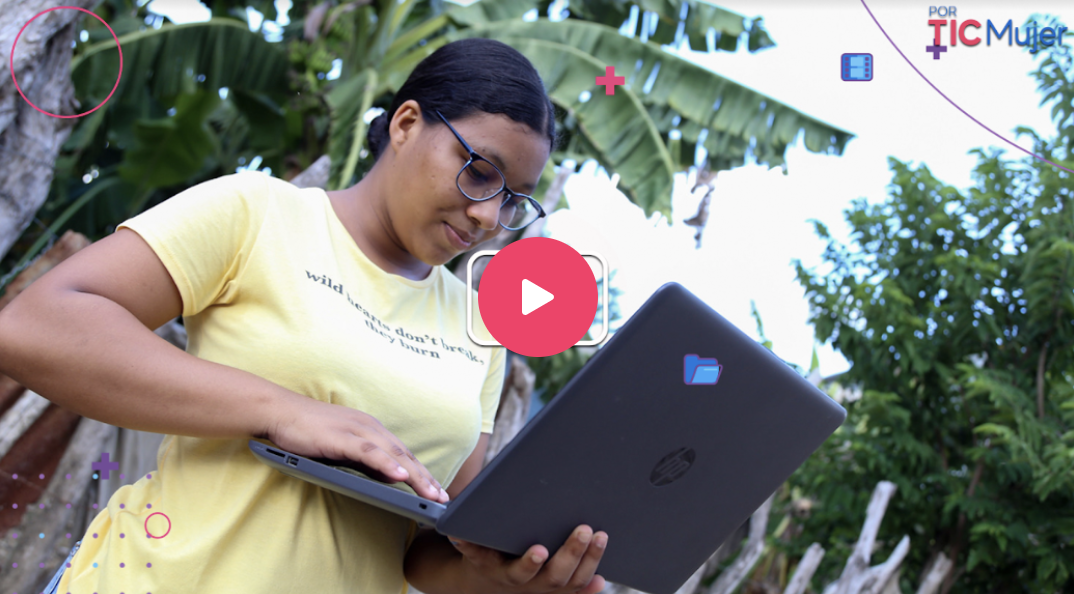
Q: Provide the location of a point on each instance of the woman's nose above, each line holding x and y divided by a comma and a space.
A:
485, 214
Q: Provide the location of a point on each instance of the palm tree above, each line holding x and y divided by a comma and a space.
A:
198, 99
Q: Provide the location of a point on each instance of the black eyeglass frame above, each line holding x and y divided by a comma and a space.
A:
508, 192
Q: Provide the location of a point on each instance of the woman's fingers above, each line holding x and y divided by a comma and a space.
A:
323, 430
561, 571
383, 451
585, 573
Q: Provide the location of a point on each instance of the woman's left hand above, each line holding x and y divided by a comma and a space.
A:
572, 570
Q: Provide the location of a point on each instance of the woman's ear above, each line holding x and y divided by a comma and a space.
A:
406, 124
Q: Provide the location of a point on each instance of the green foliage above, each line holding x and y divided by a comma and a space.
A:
162, 130
956, 310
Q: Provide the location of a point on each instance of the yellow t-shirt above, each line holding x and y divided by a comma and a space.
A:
272, 283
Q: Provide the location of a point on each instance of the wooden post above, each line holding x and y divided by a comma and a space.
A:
55, 518
730, 579
934, 575
858, 577
805, 570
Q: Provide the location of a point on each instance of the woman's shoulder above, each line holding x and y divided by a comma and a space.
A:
260, 191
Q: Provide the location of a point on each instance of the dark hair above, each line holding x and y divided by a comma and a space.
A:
468, 76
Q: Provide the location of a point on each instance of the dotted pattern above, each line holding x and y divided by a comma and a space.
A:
15, 535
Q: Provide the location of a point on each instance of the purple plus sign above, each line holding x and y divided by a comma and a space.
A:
936, 49
104, 465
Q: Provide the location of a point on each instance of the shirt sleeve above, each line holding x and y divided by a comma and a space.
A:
490, 393
204, 235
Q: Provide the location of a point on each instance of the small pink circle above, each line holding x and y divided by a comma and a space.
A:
149, 505
94, 535
122, 565
148, 476
40, 476
14, 506
40, 506
15, 477
15, 535
121, 476
68, 535
149, 565
68, 476
94, 506
150, 534
68, 506
41, 565
11, 61
121, 506
121, 535
68, 565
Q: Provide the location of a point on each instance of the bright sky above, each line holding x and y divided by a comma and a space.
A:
758, 218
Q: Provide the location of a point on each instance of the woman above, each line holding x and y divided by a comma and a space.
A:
322, 322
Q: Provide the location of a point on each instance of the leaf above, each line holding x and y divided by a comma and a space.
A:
172, 149
489, 11
741, 116
265, 117
166, 61
616, 126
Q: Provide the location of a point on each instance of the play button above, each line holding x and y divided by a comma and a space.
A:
533, 297
538, 297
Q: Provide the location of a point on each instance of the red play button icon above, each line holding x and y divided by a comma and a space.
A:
538, 297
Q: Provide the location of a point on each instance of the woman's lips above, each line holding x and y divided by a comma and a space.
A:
456, 239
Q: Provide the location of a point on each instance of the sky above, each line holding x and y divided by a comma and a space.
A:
759, 218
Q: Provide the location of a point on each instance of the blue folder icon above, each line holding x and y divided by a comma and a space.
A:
698, 371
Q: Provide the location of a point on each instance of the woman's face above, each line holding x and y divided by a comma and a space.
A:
431, 218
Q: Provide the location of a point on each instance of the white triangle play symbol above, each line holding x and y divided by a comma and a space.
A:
533, 297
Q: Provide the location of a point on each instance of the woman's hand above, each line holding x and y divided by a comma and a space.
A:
316, 429
572, 570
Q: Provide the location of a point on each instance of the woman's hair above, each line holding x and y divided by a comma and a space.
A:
469, 76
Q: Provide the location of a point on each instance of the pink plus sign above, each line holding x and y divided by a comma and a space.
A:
609, 80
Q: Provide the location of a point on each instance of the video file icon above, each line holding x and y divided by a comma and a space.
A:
856, 67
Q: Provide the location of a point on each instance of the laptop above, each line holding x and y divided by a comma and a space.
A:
668, 439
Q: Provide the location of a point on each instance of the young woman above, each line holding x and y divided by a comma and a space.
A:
322, 322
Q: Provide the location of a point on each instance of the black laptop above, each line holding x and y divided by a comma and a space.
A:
668, 439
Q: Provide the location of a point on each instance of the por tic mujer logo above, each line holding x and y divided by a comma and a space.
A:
1033, 35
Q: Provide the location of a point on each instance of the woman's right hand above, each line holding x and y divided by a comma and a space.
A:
315, 429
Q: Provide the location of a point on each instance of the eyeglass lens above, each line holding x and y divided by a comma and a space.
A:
480, 181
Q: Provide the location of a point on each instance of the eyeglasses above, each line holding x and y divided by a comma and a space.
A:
480, 180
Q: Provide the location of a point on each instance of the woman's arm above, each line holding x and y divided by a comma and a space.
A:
81, 336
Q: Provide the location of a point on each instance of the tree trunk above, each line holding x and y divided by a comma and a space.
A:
514, 408
316, 175
29, 139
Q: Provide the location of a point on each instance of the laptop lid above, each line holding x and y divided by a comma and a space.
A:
668, 439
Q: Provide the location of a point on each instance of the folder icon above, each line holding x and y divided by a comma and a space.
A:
698, 371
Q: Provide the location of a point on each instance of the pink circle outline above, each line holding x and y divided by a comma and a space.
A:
147, 525
11, 62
